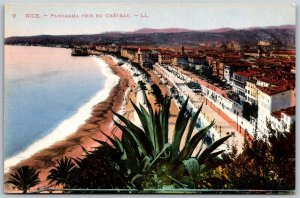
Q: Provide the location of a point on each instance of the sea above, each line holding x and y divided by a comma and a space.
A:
48, 94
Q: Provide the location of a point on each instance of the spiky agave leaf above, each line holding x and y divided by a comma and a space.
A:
146, 163
151, 128
190, 147
137, 140
103, 143
86, 152
166, 146
132, 160
143, 116
149, 107
113, 141
118, 146
147, 121
159, 133
137, 134
215, 154
164, 115
136, 178
193, 124
192, 166
180, 126
208, 150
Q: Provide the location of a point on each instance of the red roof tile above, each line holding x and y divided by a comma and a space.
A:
277, 114
248, 73
275, 89
290, 111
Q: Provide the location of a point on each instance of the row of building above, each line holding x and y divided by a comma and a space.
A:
257, 77
272, 90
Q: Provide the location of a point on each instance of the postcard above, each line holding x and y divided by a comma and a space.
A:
149, 98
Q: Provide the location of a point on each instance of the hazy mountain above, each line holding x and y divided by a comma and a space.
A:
166, 30
280, 36
290, 27
220, 30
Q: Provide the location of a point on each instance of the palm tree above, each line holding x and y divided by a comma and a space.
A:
24, 178
60, 173
148, 150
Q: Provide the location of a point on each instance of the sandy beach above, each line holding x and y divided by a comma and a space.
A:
101, 118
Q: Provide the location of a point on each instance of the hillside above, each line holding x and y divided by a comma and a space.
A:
280, 36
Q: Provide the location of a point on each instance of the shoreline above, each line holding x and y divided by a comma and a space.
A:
67, 127
100, 118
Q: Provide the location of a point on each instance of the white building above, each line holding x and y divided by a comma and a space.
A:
283, 119
271, 99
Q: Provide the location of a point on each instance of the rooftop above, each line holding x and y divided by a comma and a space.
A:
276, 77
130, 48
290, 111
248, 73
277, 114
250, 51
275, 89
236, 63
284, 52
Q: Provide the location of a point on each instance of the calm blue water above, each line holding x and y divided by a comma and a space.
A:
43, 87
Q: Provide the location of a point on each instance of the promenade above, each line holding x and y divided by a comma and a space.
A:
208, 113
217, 99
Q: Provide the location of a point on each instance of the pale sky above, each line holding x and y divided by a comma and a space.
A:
196, 16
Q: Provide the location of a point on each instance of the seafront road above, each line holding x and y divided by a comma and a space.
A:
209, 112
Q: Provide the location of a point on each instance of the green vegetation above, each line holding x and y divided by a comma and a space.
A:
141, 69
157, 93
147, 157
249, 110
267, 163
100, 169
151, 160
59, 175
24, 178
142, 85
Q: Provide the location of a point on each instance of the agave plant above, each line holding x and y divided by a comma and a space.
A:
60, 173
24, 178
148, 151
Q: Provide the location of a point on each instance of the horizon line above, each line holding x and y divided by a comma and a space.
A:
187, 30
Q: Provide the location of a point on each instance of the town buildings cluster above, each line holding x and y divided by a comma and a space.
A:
262, 76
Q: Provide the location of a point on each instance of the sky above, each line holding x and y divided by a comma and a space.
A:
100, 17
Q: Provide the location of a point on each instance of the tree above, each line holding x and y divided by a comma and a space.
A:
283, 150
100, 169
264, 164
249, 110
205, 71
24, 178
60, 173
157, 93
142, 85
